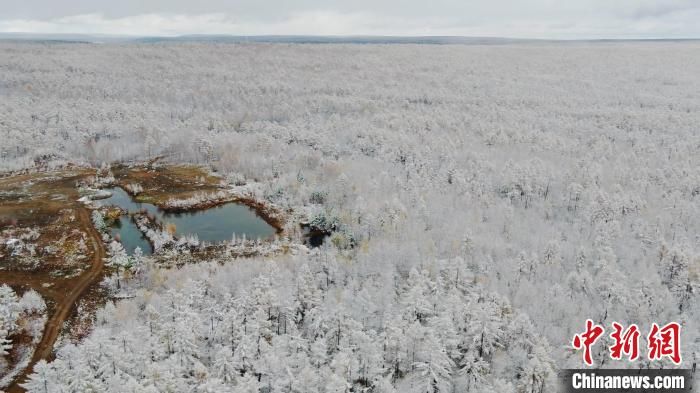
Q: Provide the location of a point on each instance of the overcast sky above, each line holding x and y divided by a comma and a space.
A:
564, 19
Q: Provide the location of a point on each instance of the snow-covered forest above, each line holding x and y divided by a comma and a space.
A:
19, 315
484, 202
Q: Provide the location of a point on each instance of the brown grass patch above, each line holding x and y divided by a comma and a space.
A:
161, 183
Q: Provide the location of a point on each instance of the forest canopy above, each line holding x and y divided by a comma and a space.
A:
485, 201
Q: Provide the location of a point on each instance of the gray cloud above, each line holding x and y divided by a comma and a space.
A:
661, 9
536, 18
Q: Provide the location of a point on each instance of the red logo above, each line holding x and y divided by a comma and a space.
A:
662, 342
627, 343
665, 341
586, 340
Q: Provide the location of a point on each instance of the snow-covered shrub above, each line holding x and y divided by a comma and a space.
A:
190, 240
275, 195
9, 309
237, 179
343, 239
98, 220
133, 188
318, 197
32, 302
325, 221
195, 200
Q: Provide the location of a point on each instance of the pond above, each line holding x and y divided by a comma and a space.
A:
212, 225
130, 236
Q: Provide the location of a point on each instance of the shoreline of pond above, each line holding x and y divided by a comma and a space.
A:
199, 220
270, 215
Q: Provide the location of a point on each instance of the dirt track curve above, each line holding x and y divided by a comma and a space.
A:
63, 309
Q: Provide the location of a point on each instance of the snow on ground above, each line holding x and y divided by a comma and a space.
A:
512, 190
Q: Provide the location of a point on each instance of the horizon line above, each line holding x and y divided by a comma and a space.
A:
24, 35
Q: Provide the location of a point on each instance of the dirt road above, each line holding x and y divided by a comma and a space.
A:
66, 303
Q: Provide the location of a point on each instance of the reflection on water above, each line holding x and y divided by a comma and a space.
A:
130, 236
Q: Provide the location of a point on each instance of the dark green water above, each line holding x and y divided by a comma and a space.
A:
212, 225
130, 236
